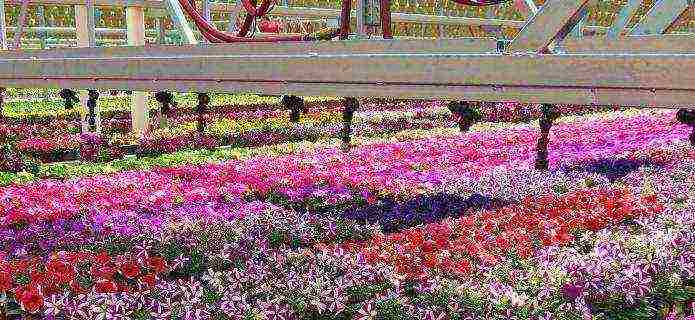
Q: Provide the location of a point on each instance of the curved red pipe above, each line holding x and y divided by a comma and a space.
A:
253, 12
216, 36
257, 12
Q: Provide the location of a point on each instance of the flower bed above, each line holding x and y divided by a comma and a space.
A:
434, 227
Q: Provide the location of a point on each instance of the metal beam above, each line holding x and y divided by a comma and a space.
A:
552, 23
659, 44
179, 18
231, 27
418, 69
660, 17
624, 16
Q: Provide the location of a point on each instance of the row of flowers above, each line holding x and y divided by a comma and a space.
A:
52, 141
241, 131
241, 274
335, 177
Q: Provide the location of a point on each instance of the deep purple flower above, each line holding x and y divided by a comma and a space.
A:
572, 291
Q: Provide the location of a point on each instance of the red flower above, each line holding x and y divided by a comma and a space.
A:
130, 270
106, 286
148, 279
430, 260
104, 271
5, 276
102, 258
428, 246
60, 271
31, 300
463, 266
158, 264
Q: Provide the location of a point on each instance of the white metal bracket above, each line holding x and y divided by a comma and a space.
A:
179, 18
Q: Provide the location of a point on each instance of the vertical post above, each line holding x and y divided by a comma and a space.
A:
361, 25
201, 110
467, 116
442, 30
234, 15
385, 6
86, 37
345, 18
40, 14
295, 105
161, 33
21, 22
546, 121
166, 99
135, 24
92, 106
687, 117
350, 105
206, 13
3, 27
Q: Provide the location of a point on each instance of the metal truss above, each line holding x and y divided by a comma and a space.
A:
643, 71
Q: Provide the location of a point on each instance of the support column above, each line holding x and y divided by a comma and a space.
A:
3, 27
94, 117
70, 98
201, 110
206, 14
345, 18
21, 23
295, 105
166, 99
467, 115
385, 12
135, 24
546, 121
350, 105
40, 14
86, 37
687, 116
359, 16
232, 27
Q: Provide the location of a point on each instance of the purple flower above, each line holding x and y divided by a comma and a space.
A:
572, 291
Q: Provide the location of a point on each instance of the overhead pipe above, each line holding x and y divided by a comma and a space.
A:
213, 35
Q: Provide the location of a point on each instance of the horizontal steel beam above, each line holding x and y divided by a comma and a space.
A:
450, 69
656, 44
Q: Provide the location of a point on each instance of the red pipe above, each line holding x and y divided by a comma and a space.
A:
214, 35
253, 12
385, 18
345, 19
256, 12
